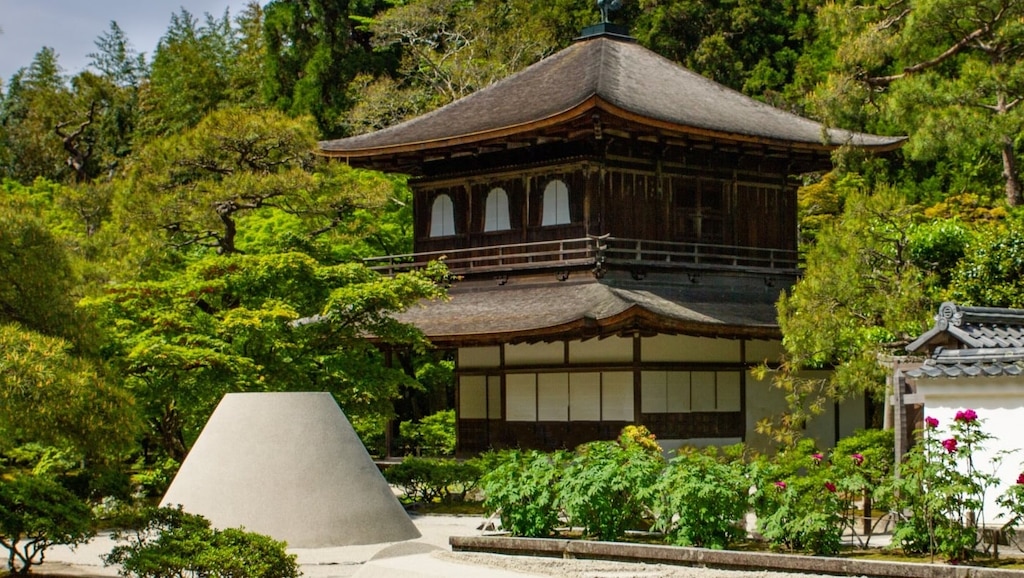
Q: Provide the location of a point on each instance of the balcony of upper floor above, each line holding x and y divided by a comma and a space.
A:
600, 254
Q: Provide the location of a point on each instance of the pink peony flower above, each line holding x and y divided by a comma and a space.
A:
1020, 479
830, 487
857, 458
817, 458
949, 444
931, 422
967, 415
780, 485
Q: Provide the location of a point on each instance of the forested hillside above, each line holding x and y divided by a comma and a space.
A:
167, 234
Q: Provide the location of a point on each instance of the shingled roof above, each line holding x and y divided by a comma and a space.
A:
613, 75
560, 310
972, 342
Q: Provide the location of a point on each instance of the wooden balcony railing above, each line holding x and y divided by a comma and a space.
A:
605, 252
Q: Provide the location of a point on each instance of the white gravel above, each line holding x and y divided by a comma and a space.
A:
569, 568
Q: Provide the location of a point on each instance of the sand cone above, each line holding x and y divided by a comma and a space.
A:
288, 465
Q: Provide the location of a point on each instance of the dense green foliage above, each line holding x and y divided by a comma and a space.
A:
433, 435
424, 480
37, 512
804, 499
700, 499
602, 489
520, 485
170, 542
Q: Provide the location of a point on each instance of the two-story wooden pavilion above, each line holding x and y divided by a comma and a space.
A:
622, 228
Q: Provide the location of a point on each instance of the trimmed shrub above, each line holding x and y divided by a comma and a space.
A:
37, 512
424, 480
168, 542
434, 435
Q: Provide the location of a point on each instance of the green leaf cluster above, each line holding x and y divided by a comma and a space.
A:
426, 480
170, 542
700, 499
433, 435
602, 487
521, 487
37, 512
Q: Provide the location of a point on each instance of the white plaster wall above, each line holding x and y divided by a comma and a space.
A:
609, 349
617, 396
760, 351
521, 397
493, 397
686, 348
585, 396
535, 353
477, 357
999, 402
553, 397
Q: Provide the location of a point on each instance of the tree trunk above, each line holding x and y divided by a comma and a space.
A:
1013, 186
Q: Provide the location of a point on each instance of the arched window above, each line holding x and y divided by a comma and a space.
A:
496, 211
556, 204
442, 217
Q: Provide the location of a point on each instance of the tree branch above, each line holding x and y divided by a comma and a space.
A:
959, 46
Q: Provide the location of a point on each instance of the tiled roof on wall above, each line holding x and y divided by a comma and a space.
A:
972, 342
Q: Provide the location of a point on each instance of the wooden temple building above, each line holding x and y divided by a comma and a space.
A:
621, 228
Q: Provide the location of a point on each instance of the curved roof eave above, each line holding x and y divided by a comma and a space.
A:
595, 102
633, 318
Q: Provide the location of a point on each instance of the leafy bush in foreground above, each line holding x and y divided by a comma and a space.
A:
521, 487
170, 543
36, 512
602, 487
701, 500
797, 502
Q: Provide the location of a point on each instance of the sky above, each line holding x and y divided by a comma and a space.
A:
71, 27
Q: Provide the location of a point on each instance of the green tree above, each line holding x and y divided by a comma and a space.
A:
197, 186
992, 269
50, 395
36, 513
749, 45
947, 72
277, 322
37, 100
449, 49
315, 49
189, 75
860, 295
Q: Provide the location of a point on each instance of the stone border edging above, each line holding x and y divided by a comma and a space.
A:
725, 559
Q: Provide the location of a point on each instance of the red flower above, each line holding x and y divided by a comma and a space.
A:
931, 422
817, 458
967, 415
780, 485
857, 459
1020, 479
830, 487
949, 444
